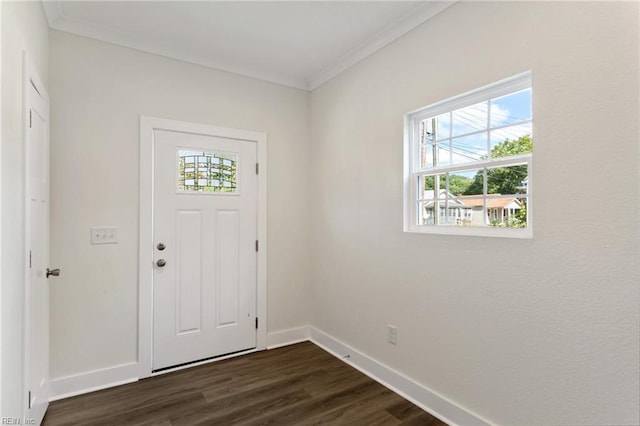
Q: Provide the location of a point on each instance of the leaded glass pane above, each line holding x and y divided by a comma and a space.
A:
207, 172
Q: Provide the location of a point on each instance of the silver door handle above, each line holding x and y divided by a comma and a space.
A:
54, 272
161, 262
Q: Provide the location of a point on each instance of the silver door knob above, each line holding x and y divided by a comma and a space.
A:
54, 272
161, 262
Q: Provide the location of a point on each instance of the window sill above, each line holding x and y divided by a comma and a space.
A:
526, 233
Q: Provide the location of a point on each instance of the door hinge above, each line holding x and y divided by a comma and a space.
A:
256, 323
30, 118
257, 245
29, 259
29, 402
257, 168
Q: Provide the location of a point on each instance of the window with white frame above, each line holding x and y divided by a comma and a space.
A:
468, 162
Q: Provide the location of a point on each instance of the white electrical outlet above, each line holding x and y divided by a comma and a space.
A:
392, 334
104, 235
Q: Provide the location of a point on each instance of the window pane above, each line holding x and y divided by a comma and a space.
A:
206, 172
450, 185
470, 119
467, 182
433, 190
426, 156
450, 205
444, 154
520, 217
428, 206
452, 212
438, 128
512, 108
441, 211
507, 212
461, 183
469, 148
507, 180
447, 209
473, 211
435, 155
512, 140
425, 213
430, 183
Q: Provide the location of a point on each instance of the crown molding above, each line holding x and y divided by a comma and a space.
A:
392, 32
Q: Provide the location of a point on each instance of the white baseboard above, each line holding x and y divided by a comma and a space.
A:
77, 384
423, 397
287, 337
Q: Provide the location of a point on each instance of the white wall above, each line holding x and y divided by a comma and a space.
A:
1, 26
542, 331
97, 93
24, 27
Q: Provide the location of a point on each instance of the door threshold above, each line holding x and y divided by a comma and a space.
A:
202, 361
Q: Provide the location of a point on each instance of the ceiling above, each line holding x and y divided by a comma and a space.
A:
300, 44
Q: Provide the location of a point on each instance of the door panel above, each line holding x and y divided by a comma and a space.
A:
205, 213
228, 265
189, 278
36, 341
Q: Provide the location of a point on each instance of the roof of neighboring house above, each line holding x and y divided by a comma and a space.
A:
428, 194
452, 199
471, 200
492, 203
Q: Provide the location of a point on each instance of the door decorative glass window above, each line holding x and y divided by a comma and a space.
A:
207, 172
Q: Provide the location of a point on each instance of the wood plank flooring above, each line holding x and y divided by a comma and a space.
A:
296, 385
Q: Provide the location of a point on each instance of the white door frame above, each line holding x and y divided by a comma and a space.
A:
145, 244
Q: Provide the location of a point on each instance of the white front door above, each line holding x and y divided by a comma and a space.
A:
36, 337
204, 232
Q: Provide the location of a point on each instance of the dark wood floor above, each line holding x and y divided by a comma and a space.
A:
295, 385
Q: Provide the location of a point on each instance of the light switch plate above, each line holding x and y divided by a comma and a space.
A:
392, 334
104, 235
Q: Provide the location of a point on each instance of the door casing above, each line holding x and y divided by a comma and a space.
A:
148, 125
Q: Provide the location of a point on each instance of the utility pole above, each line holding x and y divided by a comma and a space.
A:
436, 178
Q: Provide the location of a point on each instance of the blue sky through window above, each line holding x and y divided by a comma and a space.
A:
468, 134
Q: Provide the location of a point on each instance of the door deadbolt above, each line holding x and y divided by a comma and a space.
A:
161, 262
53, 272
161, 246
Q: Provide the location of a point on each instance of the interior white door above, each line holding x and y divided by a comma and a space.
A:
36, 337
204, 231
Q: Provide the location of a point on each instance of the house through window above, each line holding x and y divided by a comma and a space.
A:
468, 162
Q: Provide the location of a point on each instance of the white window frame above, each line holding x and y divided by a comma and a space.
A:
412, 152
